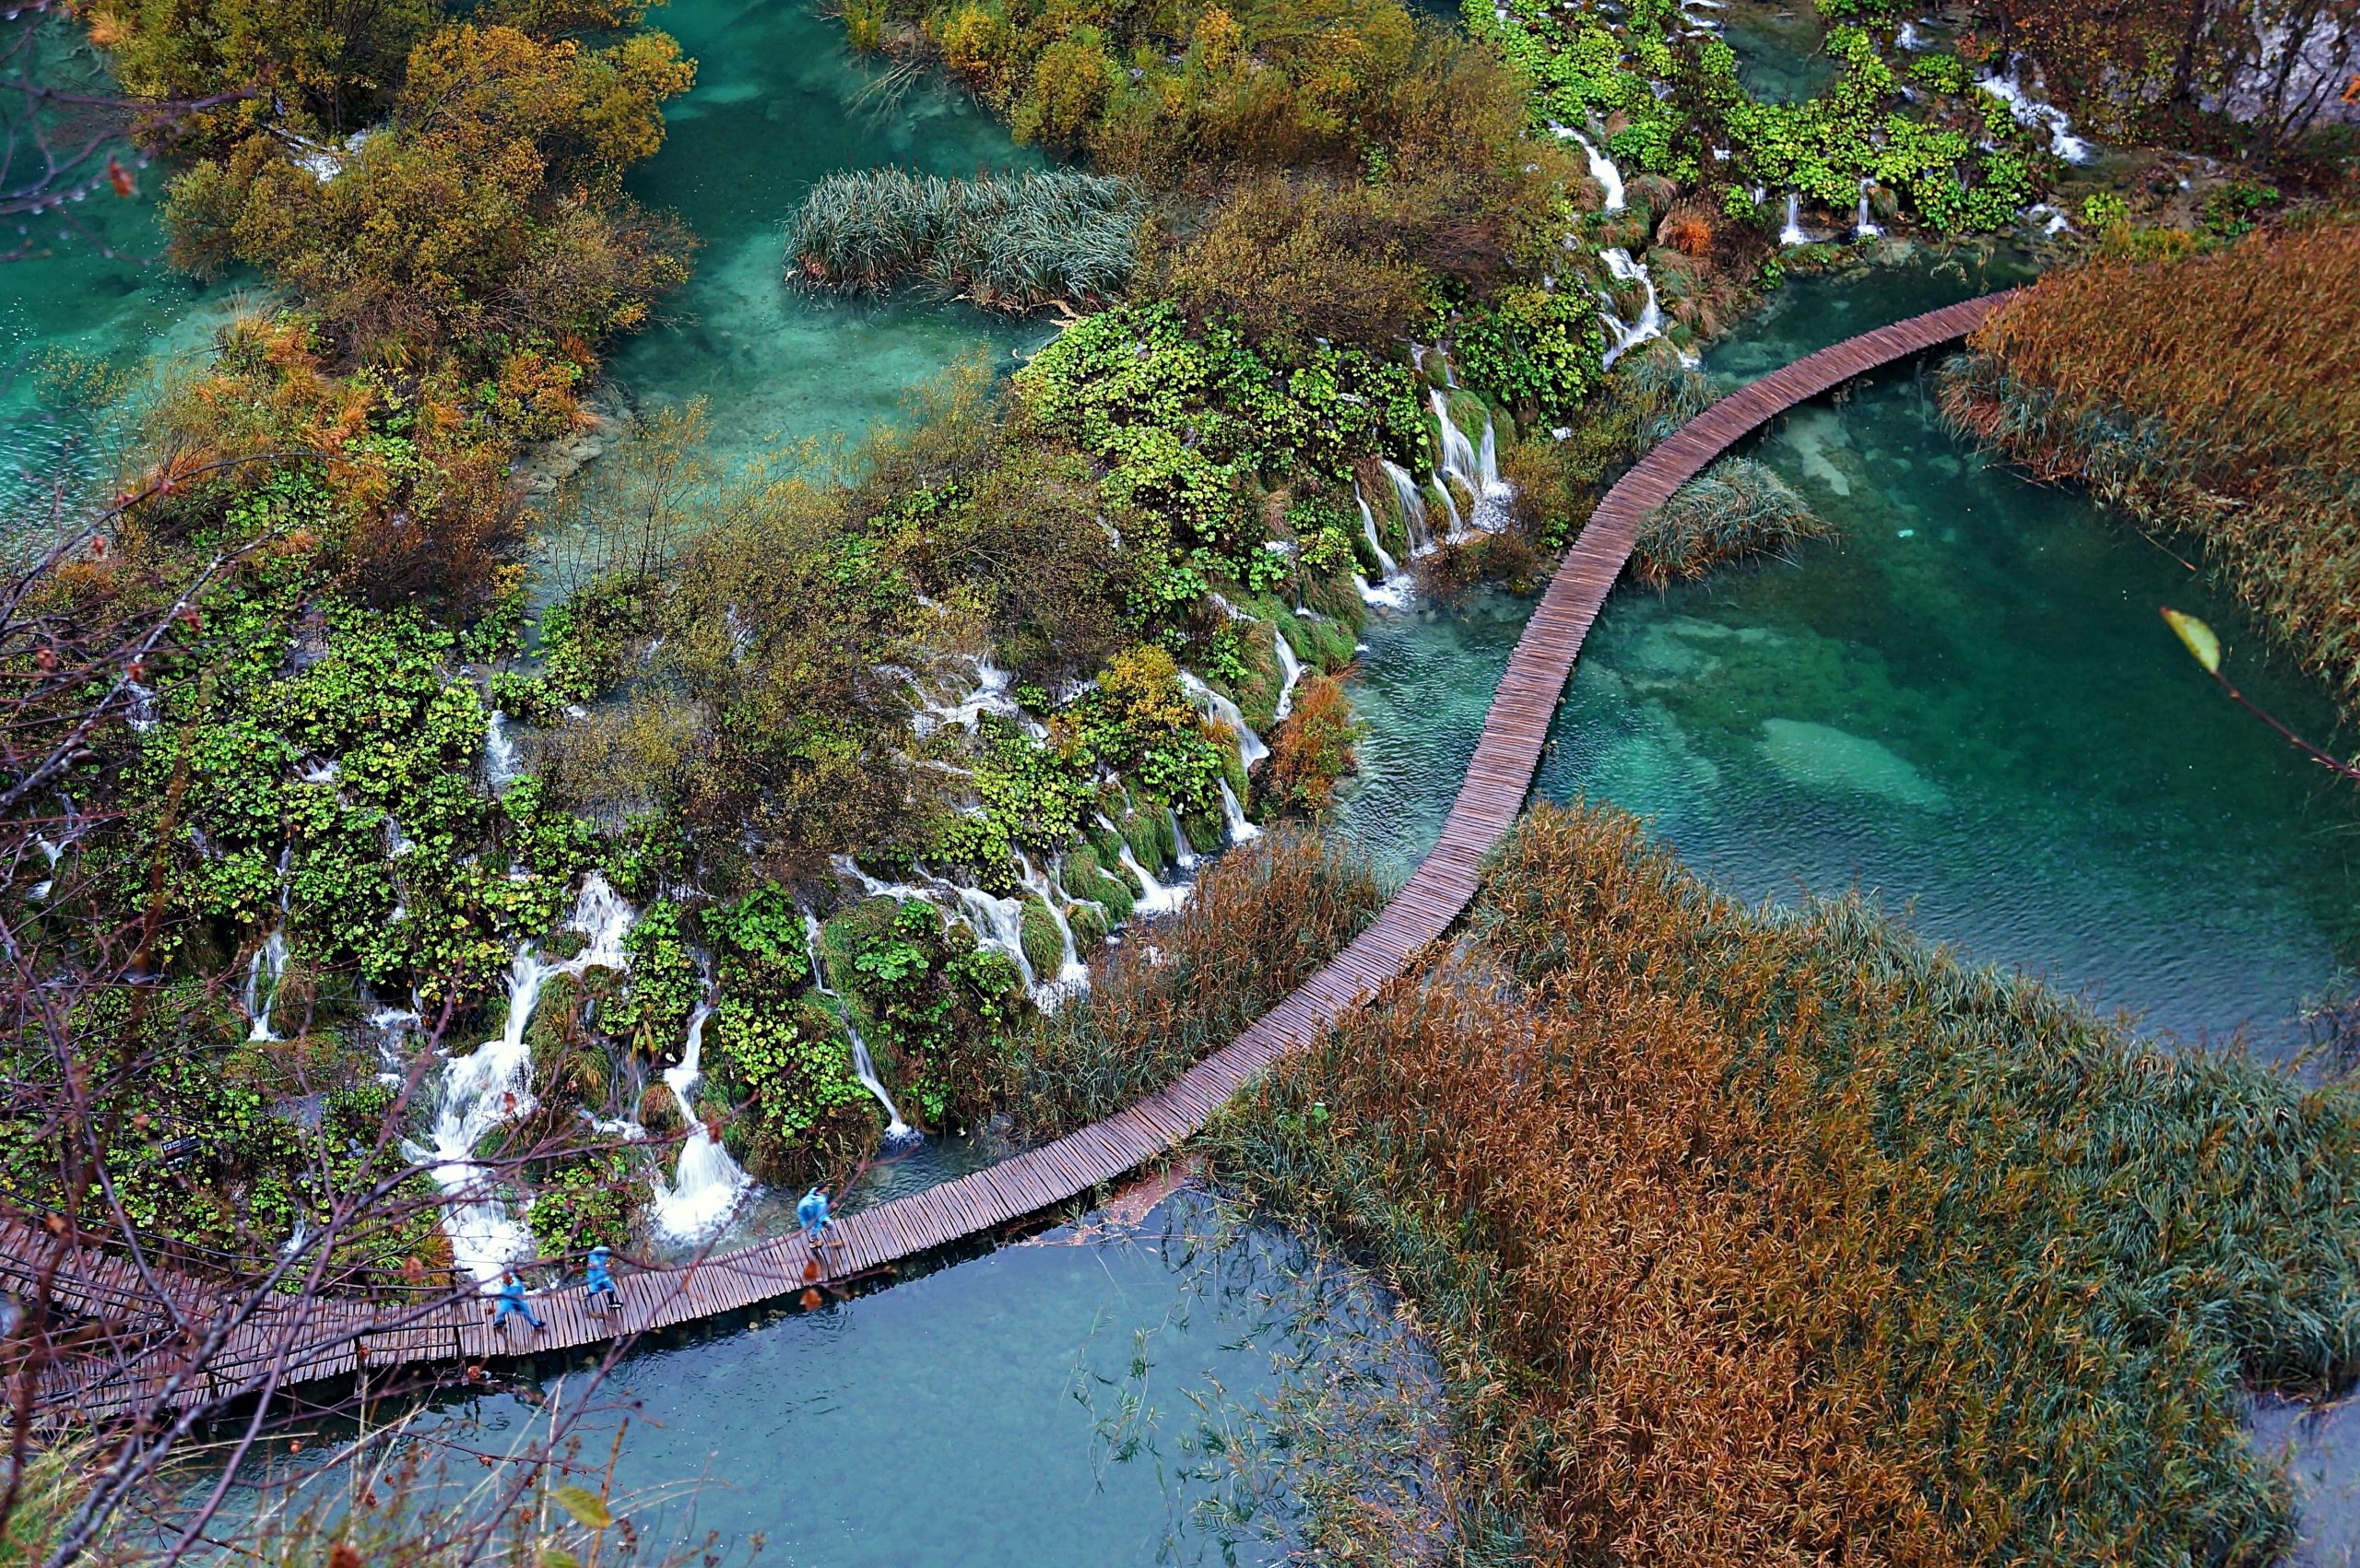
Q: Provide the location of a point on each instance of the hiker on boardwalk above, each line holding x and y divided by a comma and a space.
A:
812, 1212
596, 1282
511, 1304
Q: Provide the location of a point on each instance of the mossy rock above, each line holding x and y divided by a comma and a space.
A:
563, 945
1081, 868
1105, 846
1470, 413
1150, 835
1090, 927
1207, 833
556, 1020
1323, 642
1112, 889
1044, 948
1337, 598
1234, 769
1435, 367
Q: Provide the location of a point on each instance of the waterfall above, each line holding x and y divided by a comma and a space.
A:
1073, 976
1240, 830
1413, 506
1862, 228
988, 695
1792, 235
1619, 263
706, 1183
1289, 669
499, 765
1477, 471
1383, 590
482, 1091
2029, 110
269, 959
1250, 749
1184, 853
863, 1067
1908, 38
1155, 897
1601, 168
996, 921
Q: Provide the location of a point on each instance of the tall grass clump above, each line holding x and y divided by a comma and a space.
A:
1256, 926
2217, 395
1734, 509
1783, 1238
1008, 241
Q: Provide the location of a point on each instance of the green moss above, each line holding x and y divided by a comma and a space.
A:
1090, 927
1044, 948
1205, 831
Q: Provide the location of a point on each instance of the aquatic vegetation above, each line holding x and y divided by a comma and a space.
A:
1757, 1233
1008, 241
1259, 922
1735, 508
2214, 397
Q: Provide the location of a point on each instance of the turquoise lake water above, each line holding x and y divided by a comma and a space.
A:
1966, 703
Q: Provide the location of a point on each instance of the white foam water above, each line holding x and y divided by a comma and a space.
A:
706, 1183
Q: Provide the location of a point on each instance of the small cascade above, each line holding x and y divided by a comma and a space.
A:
988, 695
1863, 227
996, 921
1234, 814
1909, 38
1290, 668
1184, 853
864, 1066
1250, 749
1155, 897
1619, 263
1384, 591
1477, 470
1601, 168
500, 763
1792, 235
1413, 506
482, 1091
706, 1183
270, 959
1073, 976
2029, 110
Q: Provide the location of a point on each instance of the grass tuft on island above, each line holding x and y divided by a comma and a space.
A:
1769, 1237
1735, 509
1007, 241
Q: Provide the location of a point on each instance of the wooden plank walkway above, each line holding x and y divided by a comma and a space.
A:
333, 1337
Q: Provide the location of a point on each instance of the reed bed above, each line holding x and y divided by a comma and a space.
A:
2217, 395
1735, 509
1011, 242
1259, 922
1752, 1238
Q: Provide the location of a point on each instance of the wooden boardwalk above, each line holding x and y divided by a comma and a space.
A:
334, 1337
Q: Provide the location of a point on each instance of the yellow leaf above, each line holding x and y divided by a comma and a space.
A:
558, 1557
2199, 637
589, 1510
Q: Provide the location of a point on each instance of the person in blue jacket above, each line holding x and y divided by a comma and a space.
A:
511, 1303
598, 1282
812, 1212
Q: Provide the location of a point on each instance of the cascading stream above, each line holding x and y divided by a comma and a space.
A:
1250, 749
482, 1091
1413, 506
1475, 470
864, 1066
706, 1183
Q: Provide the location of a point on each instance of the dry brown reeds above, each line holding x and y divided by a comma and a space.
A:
1256, 924
1753, 1239
2217, 395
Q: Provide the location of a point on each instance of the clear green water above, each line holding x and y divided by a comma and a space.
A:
1031, 1408
1780, 58
779, 102
1966, 703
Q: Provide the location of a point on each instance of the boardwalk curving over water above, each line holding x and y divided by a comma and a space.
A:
295, 1340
